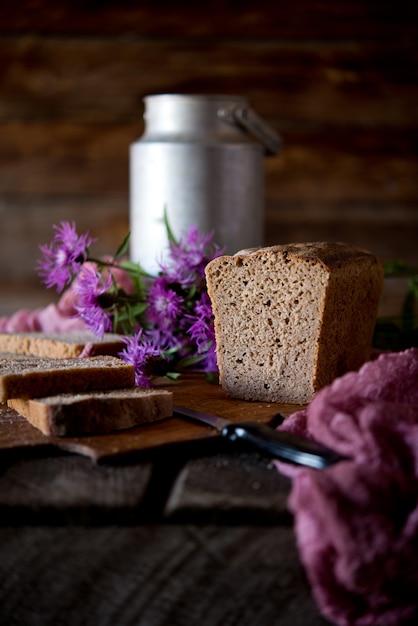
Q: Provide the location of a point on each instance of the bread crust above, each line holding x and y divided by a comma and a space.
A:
60, 345
96, 412
31, 378
291, 318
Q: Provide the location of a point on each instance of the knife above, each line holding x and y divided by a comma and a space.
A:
281, 445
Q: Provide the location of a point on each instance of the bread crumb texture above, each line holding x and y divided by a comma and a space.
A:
95, 412
291, 318
31, 378
60, 345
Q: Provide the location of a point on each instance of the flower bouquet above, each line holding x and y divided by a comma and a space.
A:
165, 320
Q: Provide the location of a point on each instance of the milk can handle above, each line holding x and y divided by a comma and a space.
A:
248, 119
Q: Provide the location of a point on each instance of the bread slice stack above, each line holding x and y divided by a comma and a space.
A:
291, 318
75, 396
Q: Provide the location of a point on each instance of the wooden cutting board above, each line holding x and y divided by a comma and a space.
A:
190, 391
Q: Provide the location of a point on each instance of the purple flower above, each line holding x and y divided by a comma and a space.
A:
139, 350
164, 304
64, 256
172, 311
92, 300
189, 257
202, 332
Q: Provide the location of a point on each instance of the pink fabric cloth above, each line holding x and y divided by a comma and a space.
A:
54, 318
357, 522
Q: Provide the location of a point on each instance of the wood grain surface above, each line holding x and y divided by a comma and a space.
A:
153, 576
190, 391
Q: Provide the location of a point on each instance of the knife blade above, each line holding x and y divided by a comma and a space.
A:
278, 444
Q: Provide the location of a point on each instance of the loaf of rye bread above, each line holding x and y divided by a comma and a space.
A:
34, 378
95, 412
60, 345
291, 318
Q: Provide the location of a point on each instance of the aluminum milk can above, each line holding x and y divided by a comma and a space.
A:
200, 161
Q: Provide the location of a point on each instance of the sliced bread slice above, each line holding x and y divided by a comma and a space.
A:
34, 378
95, 412
61, 345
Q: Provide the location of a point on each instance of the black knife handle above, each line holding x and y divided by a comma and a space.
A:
282, 445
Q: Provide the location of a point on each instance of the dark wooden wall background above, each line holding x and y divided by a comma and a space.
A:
337, 79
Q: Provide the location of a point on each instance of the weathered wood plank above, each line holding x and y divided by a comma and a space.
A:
345, 19
229, 488
236, 488
59, 158
168, 575
334, 166
70, 489
390, 239
331, 165
103, 80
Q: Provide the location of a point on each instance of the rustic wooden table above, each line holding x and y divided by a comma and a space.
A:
192, 533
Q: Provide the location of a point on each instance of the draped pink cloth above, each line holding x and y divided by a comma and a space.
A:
356, 523
60, 318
